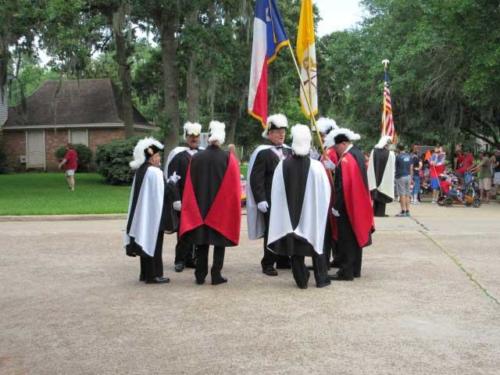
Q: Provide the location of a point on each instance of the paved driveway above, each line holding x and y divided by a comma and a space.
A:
428, 302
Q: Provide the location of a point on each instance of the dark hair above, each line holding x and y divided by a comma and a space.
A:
341, 138
401, 147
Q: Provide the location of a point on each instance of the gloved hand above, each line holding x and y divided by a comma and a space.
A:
335, 212
177, 205
174, 178
263, 206
329, 164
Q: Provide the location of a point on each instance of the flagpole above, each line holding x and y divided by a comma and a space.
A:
308, 101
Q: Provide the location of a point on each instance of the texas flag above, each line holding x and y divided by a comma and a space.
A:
268, 38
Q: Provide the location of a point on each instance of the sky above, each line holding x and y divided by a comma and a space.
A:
338, 15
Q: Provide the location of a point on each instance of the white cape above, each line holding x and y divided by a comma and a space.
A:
386, 186
148, 210
255, 219
314, 214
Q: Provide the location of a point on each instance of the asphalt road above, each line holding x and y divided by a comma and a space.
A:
428, 302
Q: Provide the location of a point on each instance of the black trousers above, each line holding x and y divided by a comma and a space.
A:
350, 253
270, 258
152, 267
184, 252
378, 208
201, 270
301, 273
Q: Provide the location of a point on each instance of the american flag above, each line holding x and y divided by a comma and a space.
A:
387, 119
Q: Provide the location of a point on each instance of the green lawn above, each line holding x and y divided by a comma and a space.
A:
48, 194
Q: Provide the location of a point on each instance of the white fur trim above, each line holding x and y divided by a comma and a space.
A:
143, 144
384, 140
191, 128
279, 120
301, 144
217, 132
325, 125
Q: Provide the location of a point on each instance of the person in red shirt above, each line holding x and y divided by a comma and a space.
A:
465, 162
70, 164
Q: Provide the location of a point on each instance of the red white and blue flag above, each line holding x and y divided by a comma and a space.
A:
268, 38
387, 119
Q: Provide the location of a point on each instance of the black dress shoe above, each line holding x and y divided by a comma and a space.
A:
322, 285
218, 280
142, 278
270, 271
179, 267
158, 280
340, 277
200, 281
357, 275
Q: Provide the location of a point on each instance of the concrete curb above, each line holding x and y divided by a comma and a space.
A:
89, 217
63, 217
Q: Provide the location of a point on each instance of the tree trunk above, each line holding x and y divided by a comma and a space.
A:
192, 79
4, 63
211, 94
193, 91
168, 27
122, 54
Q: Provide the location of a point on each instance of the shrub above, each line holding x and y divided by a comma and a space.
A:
112, 161
84, 156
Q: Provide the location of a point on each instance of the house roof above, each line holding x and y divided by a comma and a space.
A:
71, 103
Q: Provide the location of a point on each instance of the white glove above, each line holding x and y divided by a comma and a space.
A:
177, 205
263, 206
174, 178
329, 164
335, 212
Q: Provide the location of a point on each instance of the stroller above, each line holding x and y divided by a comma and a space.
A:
466, 194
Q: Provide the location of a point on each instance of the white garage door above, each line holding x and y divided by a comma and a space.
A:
35, 149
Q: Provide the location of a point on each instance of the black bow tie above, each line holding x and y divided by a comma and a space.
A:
278, 147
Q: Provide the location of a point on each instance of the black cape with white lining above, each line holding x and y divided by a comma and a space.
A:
380, 160
301, 197
150, 211
179, 164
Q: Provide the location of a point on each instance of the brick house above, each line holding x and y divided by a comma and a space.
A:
86, 111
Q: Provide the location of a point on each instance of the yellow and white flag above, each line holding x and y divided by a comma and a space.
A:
306, 55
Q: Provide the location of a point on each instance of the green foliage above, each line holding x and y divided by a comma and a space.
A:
113, 159
84, 156
445, 63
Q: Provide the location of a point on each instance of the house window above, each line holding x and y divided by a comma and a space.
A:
79, 136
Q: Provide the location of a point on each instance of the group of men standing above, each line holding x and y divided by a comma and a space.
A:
300, 206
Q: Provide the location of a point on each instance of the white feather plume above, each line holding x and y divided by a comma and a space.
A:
192, 128
384, 140
139, 156
217, 132
325, 124
279, 120
352, 136
301, 139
